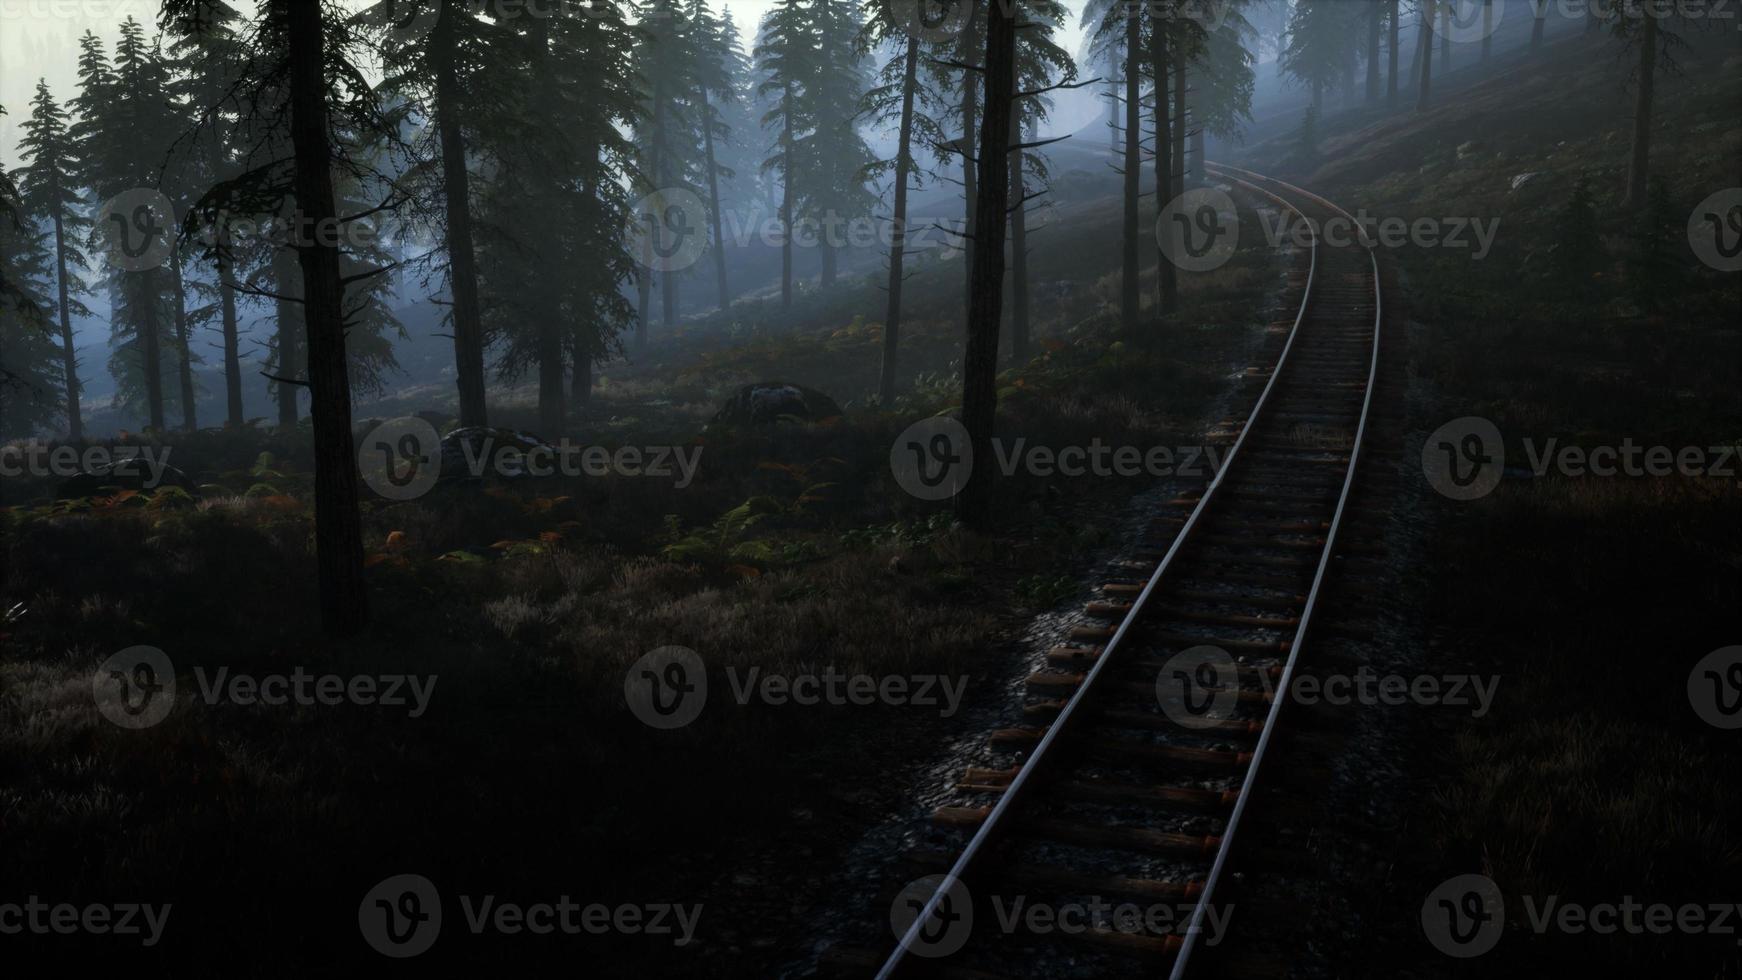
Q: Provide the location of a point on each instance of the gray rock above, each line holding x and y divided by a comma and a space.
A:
123, 474
465, 449
768, 402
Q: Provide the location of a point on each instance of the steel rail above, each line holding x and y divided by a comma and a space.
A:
1194, 926
992, 824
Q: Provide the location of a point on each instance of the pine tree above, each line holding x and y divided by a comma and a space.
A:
785, 57
304, 119
30, 366
670, 133
1323, 45
986, 292
834, 155
441, 76
552, 209
1119, 39
49, 188
206, 46
130, 122
897, 99
1041, 66
1651, 32
720, 67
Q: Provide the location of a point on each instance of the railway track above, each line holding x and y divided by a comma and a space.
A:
1145, 735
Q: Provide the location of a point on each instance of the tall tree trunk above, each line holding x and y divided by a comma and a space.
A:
1195, 161
581, 393
898, 237
552, 412
1166, 276
338, 527
184, 363
986, 299
1487, 29
233, 410
1128, 285
714, 200
830, 258
643, 300
69, 356
1639, 161
1539, 29
786, 201
1018, 247
1445, 37
1427, 57
1373, 18
462, 264
970, 111
289, 321
149, 295
1422, 43
1392, 54
1181, 121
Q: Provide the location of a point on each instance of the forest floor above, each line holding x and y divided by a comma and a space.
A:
520, 605
1592, 780
527, 778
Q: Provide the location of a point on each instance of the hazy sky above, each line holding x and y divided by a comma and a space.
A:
39, 39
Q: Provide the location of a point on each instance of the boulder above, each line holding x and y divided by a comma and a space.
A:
768, 402
484, 444
124, 474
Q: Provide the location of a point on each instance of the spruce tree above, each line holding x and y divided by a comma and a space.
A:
49, 185
30, 365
